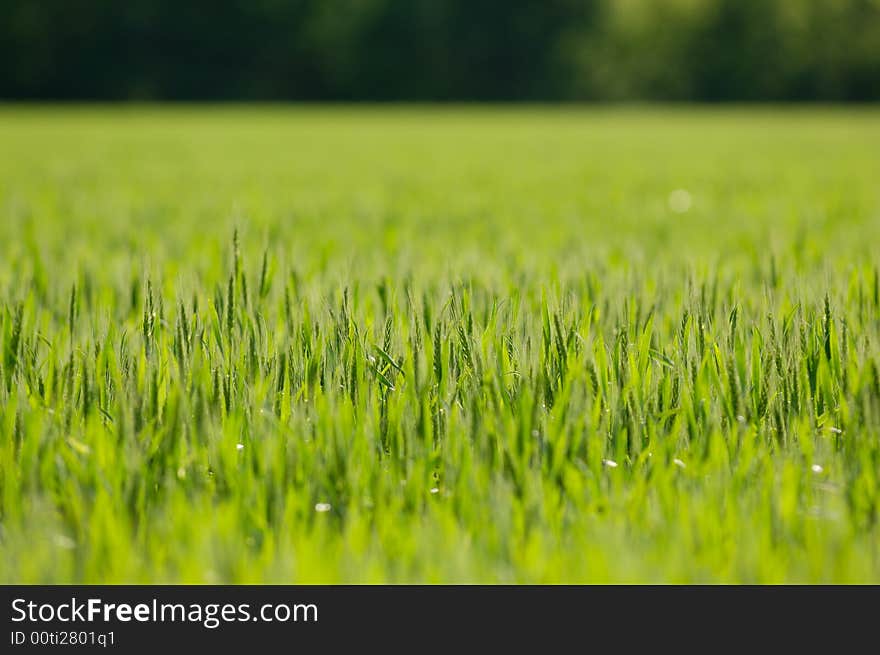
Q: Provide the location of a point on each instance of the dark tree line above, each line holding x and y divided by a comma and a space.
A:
440, 49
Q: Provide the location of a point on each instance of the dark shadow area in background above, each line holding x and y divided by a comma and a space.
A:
433, 50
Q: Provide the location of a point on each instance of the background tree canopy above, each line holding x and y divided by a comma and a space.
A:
708, 50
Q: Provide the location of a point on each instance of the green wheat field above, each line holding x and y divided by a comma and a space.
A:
396, 345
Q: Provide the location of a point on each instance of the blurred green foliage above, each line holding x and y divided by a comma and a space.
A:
708, 50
